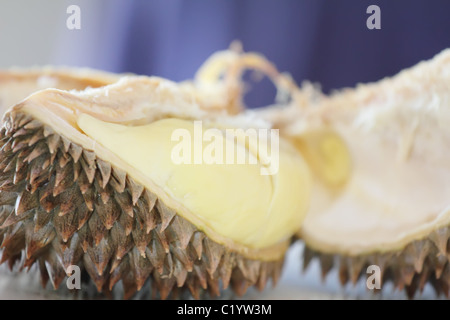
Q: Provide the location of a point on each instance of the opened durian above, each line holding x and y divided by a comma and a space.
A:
16, 84
88, 179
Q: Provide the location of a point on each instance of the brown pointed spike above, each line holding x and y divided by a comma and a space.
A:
326, 264
105, 170
213, 287
63, 160
150, 200
20, 132
156, 254
252, 270
262, 278
197, 243
182, 256
118, 271
70, 201
127, 223
100, 255
120, 241
165, 213
162, 238
119, 181
108, 213
33, 124
43, 272
179, 272
66, 225
55, 270
193, 286
73, 253
88, 168
7, 146
238, 283
53, 143
48, 203
202, 274
41, 218
25, 202
124, 201
97, 228
163, 285
40, 149
63, 179
20, 176
66, 142
440, 239
439, 263
355, 265
181, 230
407, 274
226, 267
99, 280
141, 266
423, 278
36, 172
136, 190
48, 132
13, 219
83, 183
38, 240
37, 136
89, 197
213, 253
19, 144
148, 218
276, 271
417, 251
141, 238
308, 255
83, 215
75, 151
76, 171
343, 271
11, 164
105, 193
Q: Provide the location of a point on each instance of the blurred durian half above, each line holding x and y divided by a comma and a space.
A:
380, 153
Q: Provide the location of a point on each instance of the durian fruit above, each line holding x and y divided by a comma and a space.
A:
386, 196
87, 178
16, 83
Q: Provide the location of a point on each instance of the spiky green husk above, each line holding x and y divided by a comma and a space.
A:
420, 262
60, 205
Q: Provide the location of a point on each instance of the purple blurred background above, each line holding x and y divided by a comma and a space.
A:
321, 41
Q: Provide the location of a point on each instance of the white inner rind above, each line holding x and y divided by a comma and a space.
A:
398, 136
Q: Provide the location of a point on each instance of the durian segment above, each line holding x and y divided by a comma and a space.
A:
16, 84
234, 200
61, 205
237, 207
397, 135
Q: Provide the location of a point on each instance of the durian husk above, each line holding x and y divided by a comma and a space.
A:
409, 114
306, 115
62, 205
18, 83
